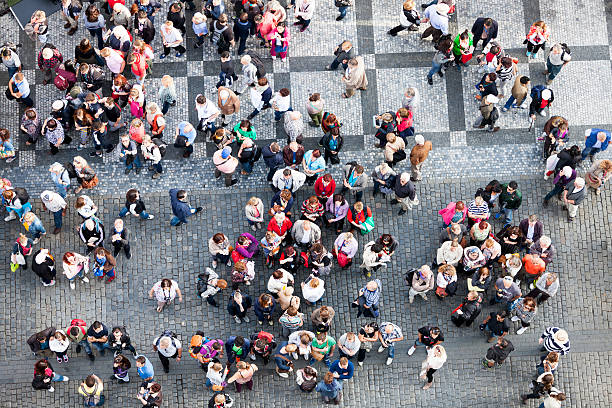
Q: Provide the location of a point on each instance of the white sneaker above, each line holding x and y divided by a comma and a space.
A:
252, 357
214, 264
295, 355
271, 322
545, 177
381, 349
305, 356
542, 113
150, 217
51, 389
410, 300
284, 375
36, 241
254, 228
259, 225
246, 319
66, 378
11, 216
424, 297
237, 319
360, 363
85, 279
411, 350
521, 330
389, 361
515, 318
247, 282
72, 285
229, 262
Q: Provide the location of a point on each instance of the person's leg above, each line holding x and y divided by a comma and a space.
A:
509, 103
396, 30
165, 362
57, 219
391, 350
58, 377
507, 216
556, 190
434, 68
334, 65
27, 101
359, 195
430, 374
342, 10
123, 212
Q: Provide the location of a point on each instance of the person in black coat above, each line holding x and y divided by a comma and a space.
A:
570, 156
538, 230
468, 311
273, 157
39, 342
484, 29
43, 265
404, 193
143, 27
176, 14
119, 340
332, 143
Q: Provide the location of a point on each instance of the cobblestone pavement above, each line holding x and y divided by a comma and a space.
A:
462, 161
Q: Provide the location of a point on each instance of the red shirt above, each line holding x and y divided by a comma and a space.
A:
324, 191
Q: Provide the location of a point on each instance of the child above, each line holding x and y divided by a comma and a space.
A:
129, 154
7, 151
99, 138
200, 29
227, 75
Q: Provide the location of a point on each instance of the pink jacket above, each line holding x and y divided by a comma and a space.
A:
448, 213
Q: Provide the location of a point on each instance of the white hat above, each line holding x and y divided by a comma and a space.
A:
567, 171
579, 182
546, 94
47, 53
442, 8
419, 139
57, 104
560, 336
405, 177
492, 99
224, 94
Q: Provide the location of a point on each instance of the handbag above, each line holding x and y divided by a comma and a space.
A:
317, 355
441, 292
343, 260
90, 183
368, 224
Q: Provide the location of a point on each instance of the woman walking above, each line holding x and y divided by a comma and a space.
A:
165, 291
536, 38
244, 376
355, 77
436, 357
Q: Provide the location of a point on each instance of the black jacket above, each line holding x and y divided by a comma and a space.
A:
273, 160
478, 28
406, 190
326, 140
44, 270
498, 354
471, 309
148, 30
33, 342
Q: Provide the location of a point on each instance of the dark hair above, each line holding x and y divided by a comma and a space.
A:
493, 186
225, 54
218, 238
244, 17
287, 172
239, 341
524, 80
339, 197
247, 124
464, 35
201, 99
74, 331
6, 52
502, 313
262, 81
84, 45
488, 22
96, 325
493, 76
284, 92
90, 381
277, 274
494, 50
309, 371
503, 343
51, 124
314, 97
506, 62
40, 366
335, 131
327, 177
141, 359
513, 185
155, 387
316, 153
435, 330
181, 194
166, 283
142, 14
130, 196
377, 248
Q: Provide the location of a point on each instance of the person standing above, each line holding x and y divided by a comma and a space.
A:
573, 195
144, 368
165, 292
225, 164
303, 12
91, 389
484, 29
558, 57
541, 97
554, 339
563, 179
599, 173
49, 59
330, 389
536, 38
77, 333
54, 203
441, 57
595, 141
71, 9
436, 357
243, 377
355, 77
510, 200
428, 336
519, 93
437, 17
167, 347
496, 324
171, 39
489, 113
497, 353
389, 334
19, 89
284, 365
343, 52
404, 194
418, 155
421, 283
43, 265
180, 207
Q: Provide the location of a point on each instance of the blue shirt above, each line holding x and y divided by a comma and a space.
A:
146, 371
190, 135
345, 373
352, 178
316, 164
22, 86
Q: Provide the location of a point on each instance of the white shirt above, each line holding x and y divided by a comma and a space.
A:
87, 210
435, 362
163, 295
114, 61
13, 61
281, 103
313, 294
172, 348
437, 20
530, 231
306, 236
55, 202
172, 36
207, 110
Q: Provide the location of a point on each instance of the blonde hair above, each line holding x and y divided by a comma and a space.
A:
167, 79
314, 283
29, 216
253, 201
409, 4
152, 107
358, 206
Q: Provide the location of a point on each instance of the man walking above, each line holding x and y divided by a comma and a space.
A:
389, 334
489, 113
404, 194
344, 52
510, 199
418, 155
496, 324
55, 204
167, 347
180, 208
497, 353
558, 57
484, 29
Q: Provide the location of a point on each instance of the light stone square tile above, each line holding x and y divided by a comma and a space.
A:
510, 18
348, 111
432, 114
458, 139
195, 68
27, 158
385, 15
582, 101
584, 27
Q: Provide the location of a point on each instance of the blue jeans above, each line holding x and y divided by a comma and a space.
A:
491, 334
507, 215
278, 115
57, 218
557, 189
590, 151
342, 10
98, 34
85, 344
248, 166
100, 346
435, 68
144, 215
57, 377
553, 70
62, 190
391, 350
136, 162
510, 102
12, 71
175, 221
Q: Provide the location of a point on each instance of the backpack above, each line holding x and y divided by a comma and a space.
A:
343, 3
261, 70
61, 82
256, 154
202, 283
217, 36
78, 323
536, 91
202, 341
22, 194
161, 145
409, 275
266, 336
308, 385
167, 333
566, 50
91, 400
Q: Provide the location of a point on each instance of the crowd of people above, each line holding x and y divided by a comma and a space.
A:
510, 267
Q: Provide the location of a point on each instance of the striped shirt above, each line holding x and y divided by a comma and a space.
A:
551, 344
395, 334
482, 211
505, 74
372, 297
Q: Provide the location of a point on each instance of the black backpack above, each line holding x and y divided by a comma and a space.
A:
409, 275
566, 50
167, 333
309, 385
202, 283
161, 145
22, 194
261, 70
217, 36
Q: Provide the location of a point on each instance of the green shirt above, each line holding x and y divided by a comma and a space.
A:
325, 346
241, 134
512, 201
